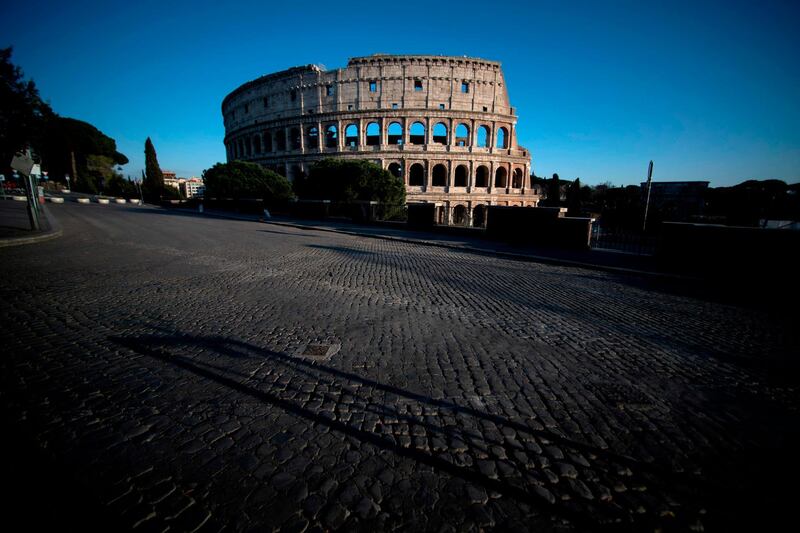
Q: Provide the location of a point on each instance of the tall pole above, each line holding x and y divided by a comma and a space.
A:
647, 201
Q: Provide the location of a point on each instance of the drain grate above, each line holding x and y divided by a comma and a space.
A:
318, 351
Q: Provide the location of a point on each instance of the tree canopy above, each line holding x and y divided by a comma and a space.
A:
26, 121
240, 179
342, 180
153, 184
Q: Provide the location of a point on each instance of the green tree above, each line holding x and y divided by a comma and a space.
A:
341, 180
554, 192
240, 179
574, 203
95, 153
22, 112
153, 186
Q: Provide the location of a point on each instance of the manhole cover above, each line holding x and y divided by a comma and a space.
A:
318, 351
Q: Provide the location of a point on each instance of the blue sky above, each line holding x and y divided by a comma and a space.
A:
708, 90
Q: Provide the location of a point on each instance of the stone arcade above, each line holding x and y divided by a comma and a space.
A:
443, 124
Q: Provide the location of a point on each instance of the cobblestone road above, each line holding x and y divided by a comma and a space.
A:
182, 373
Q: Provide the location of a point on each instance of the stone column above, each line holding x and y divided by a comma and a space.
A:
339, 136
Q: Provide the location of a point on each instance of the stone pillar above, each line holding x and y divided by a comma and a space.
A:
339, 136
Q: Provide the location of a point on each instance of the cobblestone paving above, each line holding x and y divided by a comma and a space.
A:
204, 375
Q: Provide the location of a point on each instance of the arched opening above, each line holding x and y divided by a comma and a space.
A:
331, 136
373, 134
516, 181
502, 138
500, 177
416, 175
459, 215
417, 133
247, 146
462, 135
257, 144
439, 175
479, 216
294, 138
461, 176
280, 140
396, 170
482, 176
483, 137
351, 135
313, 137
395, 133
440, 133
295, 173
268, 142
239, 148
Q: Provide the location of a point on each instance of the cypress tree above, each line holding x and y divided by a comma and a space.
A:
153, 186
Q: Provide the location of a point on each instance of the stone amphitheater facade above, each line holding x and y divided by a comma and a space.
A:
443, 124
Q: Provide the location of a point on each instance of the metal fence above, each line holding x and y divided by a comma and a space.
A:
624, 240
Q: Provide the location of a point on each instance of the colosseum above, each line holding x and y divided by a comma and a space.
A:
443, 124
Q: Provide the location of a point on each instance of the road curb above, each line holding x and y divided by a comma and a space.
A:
54, 233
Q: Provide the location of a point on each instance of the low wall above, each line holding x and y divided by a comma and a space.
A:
544, 226
421, 216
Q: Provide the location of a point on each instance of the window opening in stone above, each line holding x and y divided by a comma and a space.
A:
502, 138
417, 133
394, 106
293, 95
351, 135
441, 106
479, 216
482, 177
267, 141
461, 176
500, 177
460, 215
464, 87
416, 175
483, 137
417, 85
266, 102
462, 135
516, 182
280, 140
246, 108
439, 176
256, 144
294, 138
396, 170
440, 133
485, 109
313, 137
373, 134
329, 90
331, 136
395, 133
373, 86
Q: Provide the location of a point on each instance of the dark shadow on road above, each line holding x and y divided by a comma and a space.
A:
461, 444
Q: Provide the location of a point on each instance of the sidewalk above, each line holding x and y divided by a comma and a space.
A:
15, 227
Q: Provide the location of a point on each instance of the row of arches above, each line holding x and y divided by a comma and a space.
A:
417, 176
328, 136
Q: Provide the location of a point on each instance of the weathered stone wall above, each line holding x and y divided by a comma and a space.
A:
444, 124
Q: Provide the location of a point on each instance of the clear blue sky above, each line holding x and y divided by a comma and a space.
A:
708, 90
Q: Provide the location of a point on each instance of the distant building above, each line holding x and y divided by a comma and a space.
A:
676, 200
170, 179
192, 187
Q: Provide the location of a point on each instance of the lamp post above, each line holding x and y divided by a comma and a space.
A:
647, 200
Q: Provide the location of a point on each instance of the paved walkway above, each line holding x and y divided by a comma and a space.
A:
186, 373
